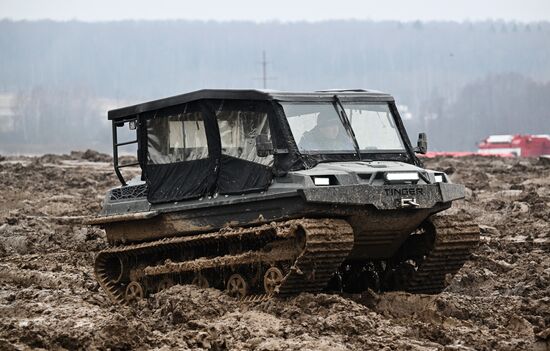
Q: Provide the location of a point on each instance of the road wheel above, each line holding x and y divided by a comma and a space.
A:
200, 281
165, 283
272, 279
236, 286
134, 292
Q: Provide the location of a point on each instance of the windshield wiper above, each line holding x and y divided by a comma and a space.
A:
345, 120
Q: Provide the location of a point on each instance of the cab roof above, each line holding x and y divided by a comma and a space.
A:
249, 94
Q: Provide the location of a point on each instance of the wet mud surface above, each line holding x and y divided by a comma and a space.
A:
49, 299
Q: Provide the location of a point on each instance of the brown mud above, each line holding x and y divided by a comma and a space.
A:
49, 298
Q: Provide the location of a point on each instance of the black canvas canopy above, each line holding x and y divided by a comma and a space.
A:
239, 94
205, 142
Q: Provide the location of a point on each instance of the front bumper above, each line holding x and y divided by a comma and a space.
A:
386, 197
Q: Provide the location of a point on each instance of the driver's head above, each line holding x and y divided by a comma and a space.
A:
328, 125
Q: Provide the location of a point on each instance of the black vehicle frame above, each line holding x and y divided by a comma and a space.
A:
223, 173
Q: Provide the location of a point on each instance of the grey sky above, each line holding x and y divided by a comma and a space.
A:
279, 10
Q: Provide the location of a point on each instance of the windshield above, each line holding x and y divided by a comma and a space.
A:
374, 126
316, 127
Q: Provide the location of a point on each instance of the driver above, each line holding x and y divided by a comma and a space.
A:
328, 134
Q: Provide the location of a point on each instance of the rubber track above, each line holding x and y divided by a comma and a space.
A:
116, 291
454, 243
328, 243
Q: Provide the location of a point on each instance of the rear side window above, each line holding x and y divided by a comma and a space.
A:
175, 138
238, 131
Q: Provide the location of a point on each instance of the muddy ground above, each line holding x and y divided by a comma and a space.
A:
49, 298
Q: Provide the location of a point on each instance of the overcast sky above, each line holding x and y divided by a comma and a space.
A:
278, 10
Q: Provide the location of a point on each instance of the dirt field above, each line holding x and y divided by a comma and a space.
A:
50, 299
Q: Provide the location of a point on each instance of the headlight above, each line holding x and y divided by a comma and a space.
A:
321, 180
439, 178
402, 176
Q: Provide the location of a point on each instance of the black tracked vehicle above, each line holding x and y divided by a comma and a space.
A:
264, 193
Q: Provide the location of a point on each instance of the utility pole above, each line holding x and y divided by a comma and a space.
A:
264, 69
264, 64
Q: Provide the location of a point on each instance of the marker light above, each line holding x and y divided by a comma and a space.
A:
439, 178
321, 180
402, 176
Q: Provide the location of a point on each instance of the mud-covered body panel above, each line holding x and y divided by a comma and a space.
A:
375, 210
358, 183
379, 221
386, 197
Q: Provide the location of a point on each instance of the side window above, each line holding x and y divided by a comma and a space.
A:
238, 132
176, 137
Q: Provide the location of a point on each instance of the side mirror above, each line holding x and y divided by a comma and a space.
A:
264, 146
421, 144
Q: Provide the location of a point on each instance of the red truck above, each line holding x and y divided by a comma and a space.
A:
517, 145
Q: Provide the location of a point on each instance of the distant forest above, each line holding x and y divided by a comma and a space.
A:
459, 82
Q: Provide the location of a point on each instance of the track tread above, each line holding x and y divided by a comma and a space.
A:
328, 243
454, 243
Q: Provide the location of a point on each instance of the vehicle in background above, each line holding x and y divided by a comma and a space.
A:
517, 145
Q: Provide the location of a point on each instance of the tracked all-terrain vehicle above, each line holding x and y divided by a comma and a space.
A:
264, 193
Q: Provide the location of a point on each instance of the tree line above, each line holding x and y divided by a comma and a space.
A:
459, 81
